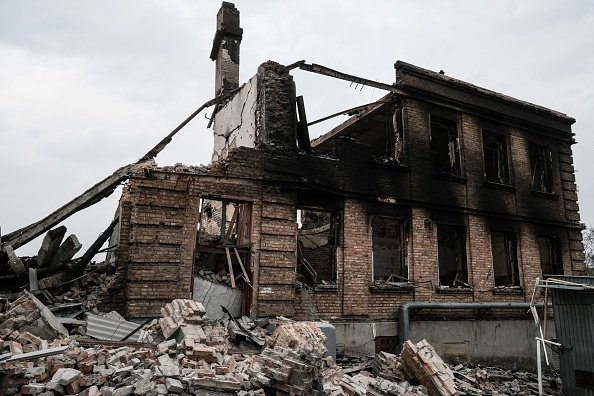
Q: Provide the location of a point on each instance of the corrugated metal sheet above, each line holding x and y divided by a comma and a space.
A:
113, 330
574, 326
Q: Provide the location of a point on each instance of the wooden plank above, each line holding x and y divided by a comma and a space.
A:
231, 225
245, 275
230, 267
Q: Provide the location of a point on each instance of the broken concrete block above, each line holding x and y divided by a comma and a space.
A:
32, 389
143, 387
55, 387
123, 391
49, 246
67, 250
65, 376
173, 386
165, 346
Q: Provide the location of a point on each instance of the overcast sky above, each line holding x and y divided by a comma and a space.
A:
89, 86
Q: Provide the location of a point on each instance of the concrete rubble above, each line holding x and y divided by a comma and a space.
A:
198, 355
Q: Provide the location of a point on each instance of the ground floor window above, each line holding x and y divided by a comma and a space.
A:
505, 262
451, 254
549, 249
389, 249
317, 238
223, 241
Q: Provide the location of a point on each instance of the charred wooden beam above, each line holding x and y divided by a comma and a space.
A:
79, 267
49, 246
302, 130
67, 250
100, 190
326, 71
93, 195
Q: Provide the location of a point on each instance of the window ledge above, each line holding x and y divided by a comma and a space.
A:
545, 194
454, 290
390, 165
392, 287
515, 290
448, 176
499, 186
316, 288
325, 288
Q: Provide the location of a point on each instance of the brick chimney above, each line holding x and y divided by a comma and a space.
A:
225, 49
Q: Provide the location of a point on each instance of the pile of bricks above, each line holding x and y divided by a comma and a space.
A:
28, 314
196, 356
420, 361
388, 366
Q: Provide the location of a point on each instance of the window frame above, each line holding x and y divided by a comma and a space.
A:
461, 255
554, 253
402, 241
438, 151
512, 267
544, 158
503, 162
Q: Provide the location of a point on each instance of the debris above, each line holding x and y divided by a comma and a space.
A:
201, 355
424, 364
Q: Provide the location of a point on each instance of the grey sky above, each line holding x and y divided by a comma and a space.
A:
88, 87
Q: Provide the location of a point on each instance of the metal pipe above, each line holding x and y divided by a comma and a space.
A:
404, 317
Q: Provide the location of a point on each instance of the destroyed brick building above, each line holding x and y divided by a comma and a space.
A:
441, 191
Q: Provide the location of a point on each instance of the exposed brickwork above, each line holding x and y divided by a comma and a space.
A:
159, 212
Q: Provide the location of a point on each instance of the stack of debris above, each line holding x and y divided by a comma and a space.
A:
477, 380
199, 354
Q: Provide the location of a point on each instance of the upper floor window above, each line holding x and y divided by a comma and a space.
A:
541, 168
549, 250
451, 254
495, 155
445, 146
505, 262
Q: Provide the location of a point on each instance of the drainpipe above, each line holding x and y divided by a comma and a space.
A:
404, 315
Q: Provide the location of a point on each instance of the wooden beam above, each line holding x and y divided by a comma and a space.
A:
230, 268
90, 197
245, 275
231, 225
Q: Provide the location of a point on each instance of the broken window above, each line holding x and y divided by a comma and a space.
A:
451, 254
386, 142
317, 237
550, 256
495, 154
389, 249
445, 146
505, 262
223, 240
540, 165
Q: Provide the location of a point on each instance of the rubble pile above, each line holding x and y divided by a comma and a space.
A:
477, 380
199, 355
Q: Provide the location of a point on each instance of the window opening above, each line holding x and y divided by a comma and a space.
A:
550, 256
387, 145
444, 147
496, 162
316, 246
540, 165
389, 250
505, 263
223, 241
451, 254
